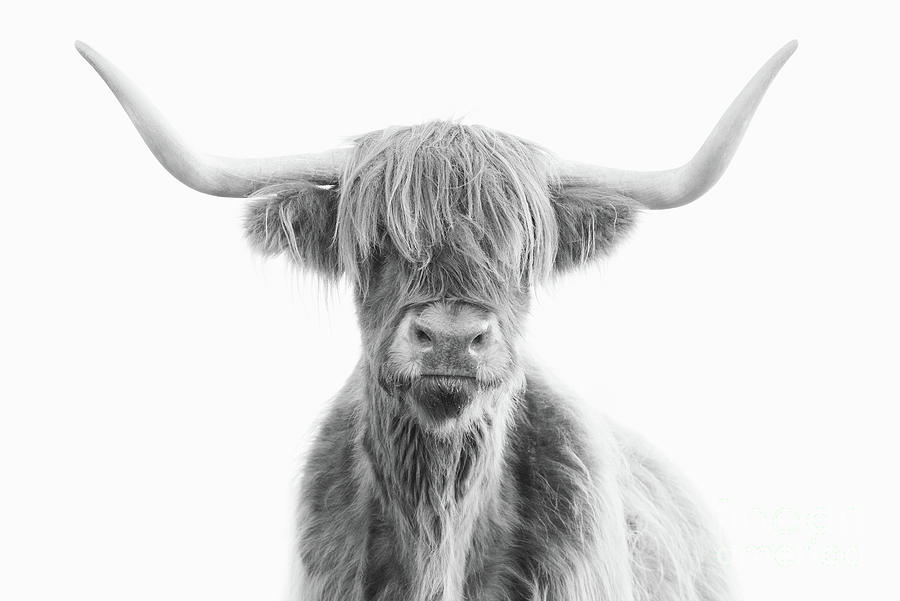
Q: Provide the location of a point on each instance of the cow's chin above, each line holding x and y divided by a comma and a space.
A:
443, 403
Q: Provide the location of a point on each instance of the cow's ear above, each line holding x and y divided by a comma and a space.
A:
591, 222
297, 219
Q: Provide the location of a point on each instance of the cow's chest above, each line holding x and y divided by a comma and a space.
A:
463, 563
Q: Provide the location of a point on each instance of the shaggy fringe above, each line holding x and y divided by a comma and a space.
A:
447, 189
464, 210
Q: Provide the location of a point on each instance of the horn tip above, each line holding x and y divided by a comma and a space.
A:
88, 53
788, 49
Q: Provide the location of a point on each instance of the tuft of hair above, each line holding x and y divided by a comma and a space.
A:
297, 218
592, 222
451, 191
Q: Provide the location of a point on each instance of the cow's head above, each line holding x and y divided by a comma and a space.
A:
443, 229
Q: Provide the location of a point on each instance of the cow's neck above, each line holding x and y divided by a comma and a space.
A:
433, 489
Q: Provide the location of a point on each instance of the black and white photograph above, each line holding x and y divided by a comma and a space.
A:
470, 301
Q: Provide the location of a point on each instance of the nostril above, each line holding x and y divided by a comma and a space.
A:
477, 342
421, 335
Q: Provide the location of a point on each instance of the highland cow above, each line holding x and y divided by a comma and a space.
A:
447, 467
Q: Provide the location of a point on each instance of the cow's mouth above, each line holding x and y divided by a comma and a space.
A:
443, 397
447, 377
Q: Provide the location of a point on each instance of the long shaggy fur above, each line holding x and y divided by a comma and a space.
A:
487, 200
299, 219
442, 187
519, 501
535, 507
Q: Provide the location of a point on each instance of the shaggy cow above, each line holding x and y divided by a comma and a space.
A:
447, 468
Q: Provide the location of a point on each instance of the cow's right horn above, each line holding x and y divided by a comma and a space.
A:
216, 175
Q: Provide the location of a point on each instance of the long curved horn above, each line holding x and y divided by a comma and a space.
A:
676, 187
216, 175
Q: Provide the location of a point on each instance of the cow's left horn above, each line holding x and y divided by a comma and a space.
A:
216, 175
676, 187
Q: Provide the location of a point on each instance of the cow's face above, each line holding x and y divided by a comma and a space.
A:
441, 349
444, 229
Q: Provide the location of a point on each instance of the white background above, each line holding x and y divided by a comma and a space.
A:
159, 383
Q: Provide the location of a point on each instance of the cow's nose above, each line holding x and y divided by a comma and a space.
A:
450, 346
428, 339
